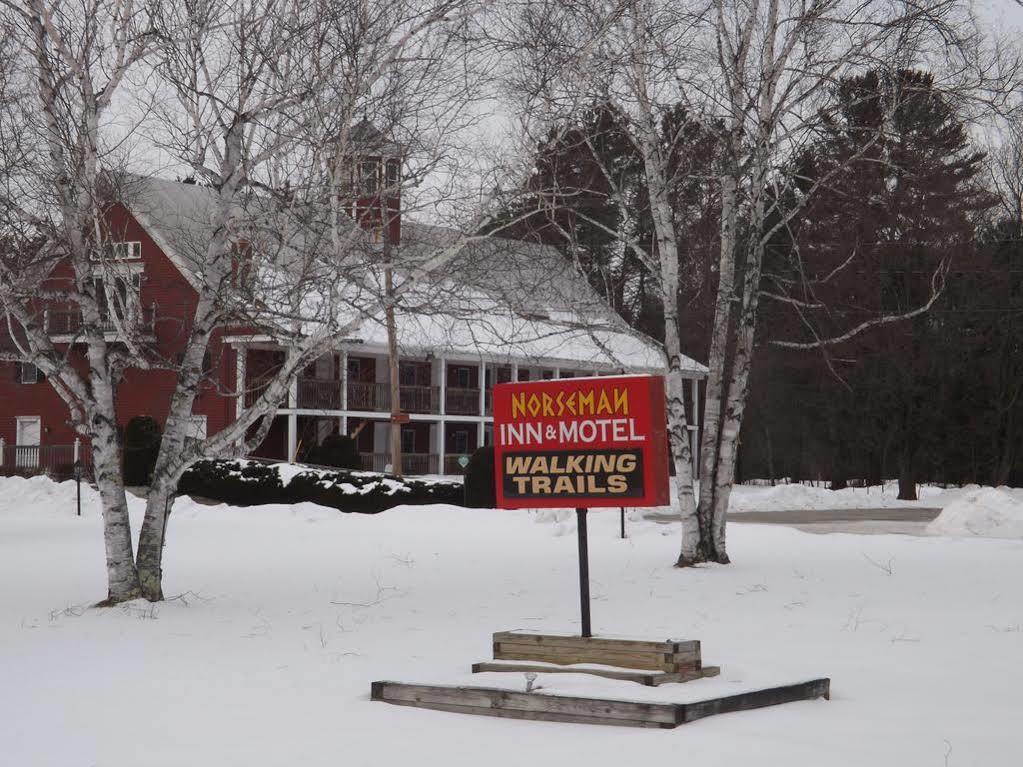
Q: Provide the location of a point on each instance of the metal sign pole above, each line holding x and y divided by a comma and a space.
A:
584, 571
78, 485
622, 521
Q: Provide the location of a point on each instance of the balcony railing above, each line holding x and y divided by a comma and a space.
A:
61, 322
453, 463
318, 394
411, 463
325, 394
254, 390
462, 401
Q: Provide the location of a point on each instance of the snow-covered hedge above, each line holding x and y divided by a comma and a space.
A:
249, 483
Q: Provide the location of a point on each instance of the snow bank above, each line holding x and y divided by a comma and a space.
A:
984, 512
41, 495
803, 497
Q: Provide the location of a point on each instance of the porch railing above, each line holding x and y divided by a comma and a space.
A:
52, 460
453, 463
62, 322
318, 394
411, 463
462, 401
374, 397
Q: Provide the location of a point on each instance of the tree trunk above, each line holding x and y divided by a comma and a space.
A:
713, 400
122, 577
907, 476
392, 366
151, 540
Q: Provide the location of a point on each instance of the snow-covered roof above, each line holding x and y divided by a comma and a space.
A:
498, 298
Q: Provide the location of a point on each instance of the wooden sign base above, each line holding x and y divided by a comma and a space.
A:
489, 701
643, 661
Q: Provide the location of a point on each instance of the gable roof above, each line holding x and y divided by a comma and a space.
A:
498, 297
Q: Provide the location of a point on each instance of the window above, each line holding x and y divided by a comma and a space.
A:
408, 441
462, 378
461, 441
393, 167
28, 373
407, 375
118, 251
370, 171
354, 369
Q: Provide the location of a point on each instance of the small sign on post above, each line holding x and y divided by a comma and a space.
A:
582, 443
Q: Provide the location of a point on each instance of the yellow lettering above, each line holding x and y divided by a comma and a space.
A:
564, 485
586, 401
534, 405
548, 404
518, 405
616, 483
570, 402
604, 404
520, 484
541, 484
627, 463
622, 401
516, 464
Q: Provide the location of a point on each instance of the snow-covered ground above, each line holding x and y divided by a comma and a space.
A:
287, 614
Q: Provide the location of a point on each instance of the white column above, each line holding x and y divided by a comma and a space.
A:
694, 384
557, 372
515, 371
78, 450
292, 419
241, 360
1, 451
443, 385
439, 444
344, 390
483, 394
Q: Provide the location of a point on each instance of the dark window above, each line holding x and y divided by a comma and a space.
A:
461, 440
28, 373
370, 181
548, 375
354, 369
392, 173
408, 441
407, 375
462, 378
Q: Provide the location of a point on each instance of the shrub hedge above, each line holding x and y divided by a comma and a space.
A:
246, 483
337, 450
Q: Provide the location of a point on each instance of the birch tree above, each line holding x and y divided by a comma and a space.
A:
55, 200
257, 101
757, 72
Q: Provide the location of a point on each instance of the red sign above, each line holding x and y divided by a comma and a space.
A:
581, 442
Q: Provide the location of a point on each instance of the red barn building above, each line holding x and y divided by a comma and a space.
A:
521, 313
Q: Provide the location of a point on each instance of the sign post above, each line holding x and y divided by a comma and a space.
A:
583, 443
584, 572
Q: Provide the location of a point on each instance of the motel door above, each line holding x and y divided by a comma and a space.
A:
27, 442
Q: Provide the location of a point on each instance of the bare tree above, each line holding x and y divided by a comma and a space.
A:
259, 103
757, 73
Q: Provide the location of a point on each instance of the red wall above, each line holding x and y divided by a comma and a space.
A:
141, 392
